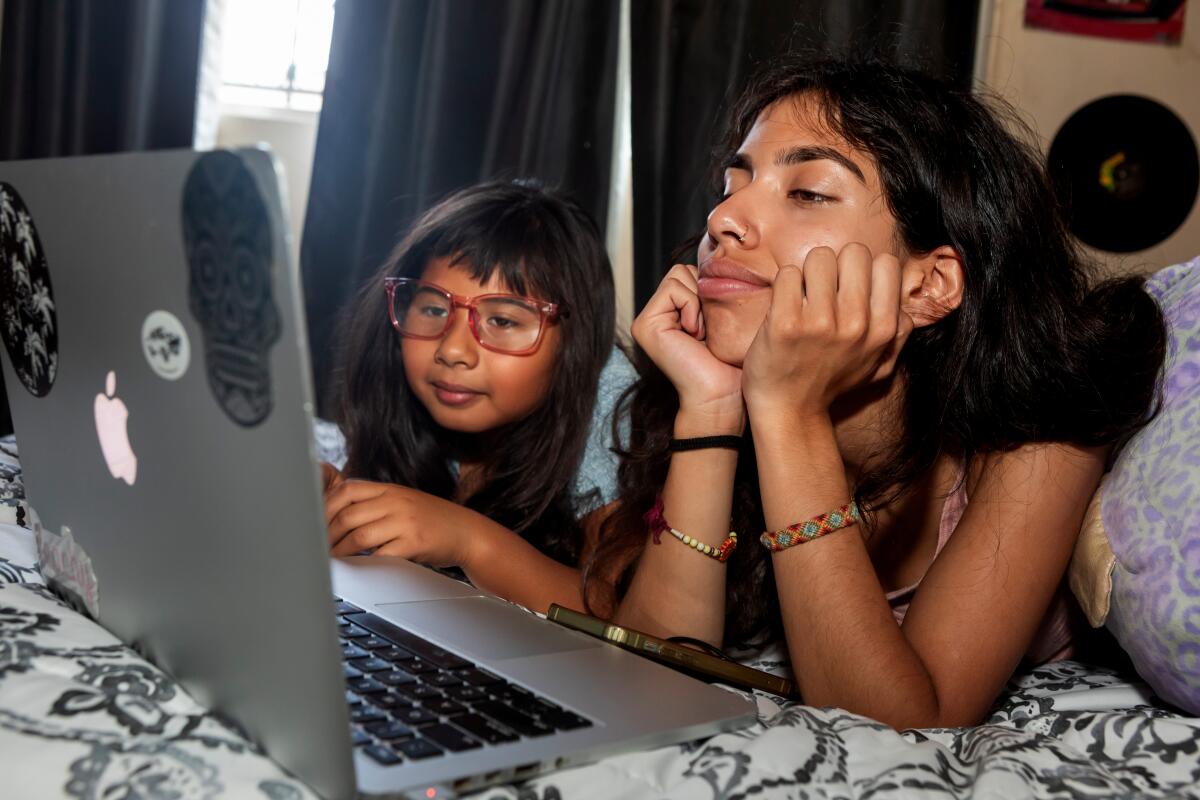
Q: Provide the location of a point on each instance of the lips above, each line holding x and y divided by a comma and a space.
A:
452, 394
720, 277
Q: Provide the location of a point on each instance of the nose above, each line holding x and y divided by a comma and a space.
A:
728, 225
458, 347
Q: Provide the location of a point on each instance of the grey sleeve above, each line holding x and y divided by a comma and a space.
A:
331, 444
596, 479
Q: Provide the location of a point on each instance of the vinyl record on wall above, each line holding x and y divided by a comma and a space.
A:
1127, 171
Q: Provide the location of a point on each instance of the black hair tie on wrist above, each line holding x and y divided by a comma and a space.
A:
705, 442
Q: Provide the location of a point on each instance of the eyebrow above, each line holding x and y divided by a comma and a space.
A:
800, 155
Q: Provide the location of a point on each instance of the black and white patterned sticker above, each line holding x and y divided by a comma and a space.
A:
230, 251
28, 324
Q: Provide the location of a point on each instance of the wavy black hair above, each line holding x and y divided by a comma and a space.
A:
1038, 351
545, 245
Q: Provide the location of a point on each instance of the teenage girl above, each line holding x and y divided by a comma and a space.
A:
473, 364
913, 389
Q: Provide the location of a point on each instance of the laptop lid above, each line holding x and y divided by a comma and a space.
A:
156, 366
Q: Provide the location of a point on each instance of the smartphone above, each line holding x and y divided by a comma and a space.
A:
687, 659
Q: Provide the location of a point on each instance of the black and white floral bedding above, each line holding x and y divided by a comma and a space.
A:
83, 716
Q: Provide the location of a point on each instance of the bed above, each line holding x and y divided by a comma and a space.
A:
83, 716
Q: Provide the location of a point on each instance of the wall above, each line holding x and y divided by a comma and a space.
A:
1049, 75
292, 135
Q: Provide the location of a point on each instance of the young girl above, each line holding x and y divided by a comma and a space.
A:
473, 363
877, 409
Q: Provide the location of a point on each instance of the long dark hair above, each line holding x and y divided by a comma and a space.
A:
1038, 350
545, 245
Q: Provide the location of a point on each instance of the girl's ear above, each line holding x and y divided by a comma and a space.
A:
931, 285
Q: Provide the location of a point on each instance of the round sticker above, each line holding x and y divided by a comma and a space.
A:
29, 325
165, 345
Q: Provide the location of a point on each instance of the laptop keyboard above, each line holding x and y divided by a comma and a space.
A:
412, 700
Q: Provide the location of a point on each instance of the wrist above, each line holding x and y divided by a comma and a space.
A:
781, 429
788, 417
478, 541
720, 419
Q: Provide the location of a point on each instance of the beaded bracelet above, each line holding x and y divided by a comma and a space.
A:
657, 523
814, 528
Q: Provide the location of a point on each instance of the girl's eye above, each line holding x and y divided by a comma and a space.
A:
806, 196
503, 323
435, 311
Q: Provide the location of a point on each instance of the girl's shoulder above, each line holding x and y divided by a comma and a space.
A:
617, 375
596, 478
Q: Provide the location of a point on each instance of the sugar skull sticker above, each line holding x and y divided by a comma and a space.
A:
230, 250
28, 323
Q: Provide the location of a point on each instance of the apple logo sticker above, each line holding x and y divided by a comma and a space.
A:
230, 252
28, 326
165, 345
112, 417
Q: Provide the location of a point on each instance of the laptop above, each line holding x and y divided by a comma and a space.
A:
157, 370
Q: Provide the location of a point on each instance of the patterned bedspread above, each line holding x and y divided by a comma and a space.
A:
83, 716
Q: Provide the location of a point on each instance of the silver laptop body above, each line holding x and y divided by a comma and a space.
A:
157, 370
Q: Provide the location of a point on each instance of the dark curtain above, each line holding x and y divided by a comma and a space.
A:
426, 96
79, 77
690, 57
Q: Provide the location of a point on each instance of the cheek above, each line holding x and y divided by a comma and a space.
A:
796, 248
523, 382
522, 387
416, 356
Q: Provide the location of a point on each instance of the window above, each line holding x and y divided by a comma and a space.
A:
275, 53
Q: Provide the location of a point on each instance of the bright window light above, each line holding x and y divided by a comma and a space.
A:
275, 52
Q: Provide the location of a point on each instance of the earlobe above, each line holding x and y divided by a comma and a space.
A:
932, 285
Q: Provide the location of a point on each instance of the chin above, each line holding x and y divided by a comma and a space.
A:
458, 422
731, 349
728, 338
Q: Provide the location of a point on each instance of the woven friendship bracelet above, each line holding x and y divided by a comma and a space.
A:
657, 524
813, 528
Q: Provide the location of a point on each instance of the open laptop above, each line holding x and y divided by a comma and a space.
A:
157, 371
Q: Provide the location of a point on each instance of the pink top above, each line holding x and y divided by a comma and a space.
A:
1052, 641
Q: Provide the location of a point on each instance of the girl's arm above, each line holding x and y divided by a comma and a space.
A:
838, 325
976, 610
395, 520
675, 589
503, 563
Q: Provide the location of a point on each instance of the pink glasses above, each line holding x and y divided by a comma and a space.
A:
504, 323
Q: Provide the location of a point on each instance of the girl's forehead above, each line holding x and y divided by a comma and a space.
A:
796, 120
801, 122
457, 276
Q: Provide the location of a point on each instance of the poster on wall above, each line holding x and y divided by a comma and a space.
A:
1158, 21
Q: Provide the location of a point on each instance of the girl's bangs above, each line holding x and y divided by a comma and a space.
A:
516, 248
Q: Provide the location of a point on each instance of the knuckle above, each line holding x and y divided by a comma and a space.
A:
821, 326
360, 539
853, 327
789, 328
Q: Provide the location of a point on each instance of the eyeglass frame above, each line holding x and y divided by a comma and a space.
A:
547, 311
